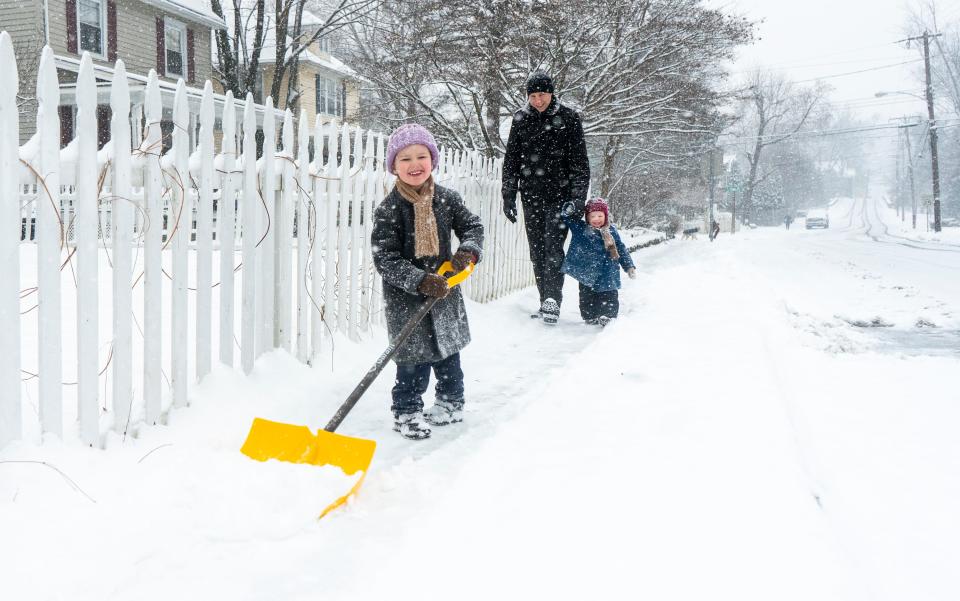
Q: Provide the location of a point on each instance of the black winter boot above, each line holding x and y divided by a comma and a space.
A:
550, 310
443, 413
410, 425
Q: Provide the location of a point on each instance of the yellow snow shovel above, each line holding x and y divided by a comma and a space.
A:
297, 444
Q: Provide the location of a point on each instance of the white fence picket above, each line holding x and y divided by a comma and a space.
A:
11, 415
181, 216
267, 255
366, 264
303, 203
343, 226
226, 228
250, 210
49, 241
284, 236
86, 202
384, 181
150, 150
205, 236
357, 191
122, 231
318, 218
330, 203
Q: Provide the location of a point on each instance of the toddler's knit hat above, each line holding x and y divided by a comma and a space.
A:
407, 135
539, 82
598, 204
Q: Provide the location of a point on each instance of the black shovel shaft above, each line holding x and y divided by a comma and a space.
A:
379, 365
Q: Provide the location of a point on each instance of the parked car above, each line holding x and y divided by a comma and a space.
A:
817, 218
950, 222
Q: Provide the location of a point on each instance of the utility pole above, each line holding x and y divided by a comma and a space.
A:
903, 132
899, 185
913, 187
733, 214
934, 155
710, 197
713, 185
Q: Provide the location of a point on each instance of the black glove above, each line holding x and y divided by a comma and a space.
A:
434, 285
461, 259
570, 210
510, 208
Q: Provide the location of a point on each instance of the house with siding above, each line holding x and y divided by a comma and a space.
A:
328, 87
170, 36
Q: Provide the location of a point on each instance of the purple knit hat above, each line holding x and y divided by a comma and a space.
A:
406, 135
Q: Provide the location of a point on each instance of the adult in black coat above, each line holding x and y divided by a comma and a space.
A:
546, 162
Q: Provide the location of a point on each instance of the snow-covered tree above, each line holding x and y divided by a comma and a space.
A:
645, 74
283, 28
772, 111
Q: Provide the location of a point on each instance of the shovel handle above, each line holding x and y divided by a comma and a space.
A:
394, 346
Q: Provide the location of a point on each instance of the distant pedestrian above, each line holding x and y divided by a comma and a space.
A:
411, 238
594, 259
788, 221
714, 229
546, 162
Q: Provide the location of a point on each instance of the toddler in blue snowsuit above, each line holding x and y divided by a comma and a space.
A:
594, 259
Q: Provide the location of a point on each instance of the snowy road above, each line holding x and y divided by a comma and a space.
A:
774, 416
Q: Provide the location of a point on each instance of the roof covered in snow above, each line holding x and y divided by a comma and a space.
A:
330, 63
197, 11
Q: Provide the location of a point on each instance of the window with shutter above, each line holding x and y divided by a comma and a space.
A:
66, 123
103, 124
71, 6
90, 25
161, 53
175, 45
111, 31
191, 62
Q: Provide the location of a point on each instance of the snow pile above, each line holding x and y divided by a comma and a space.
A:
734, 435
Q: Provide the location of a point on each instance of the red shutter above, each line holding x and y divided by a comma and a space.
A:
111, 31
103, 124
66, 124
72, 26
161, 49
191, 65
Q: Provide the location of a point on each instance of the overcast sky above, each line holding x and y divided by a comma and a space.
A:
826, 38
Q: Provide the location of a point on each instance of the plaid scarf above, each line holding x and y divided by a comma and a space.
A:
608, 242
424, 221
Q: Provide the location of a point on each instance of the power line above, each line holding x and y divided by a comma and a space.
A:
823, 132
811, 65
839, 131
916, 60
837, 53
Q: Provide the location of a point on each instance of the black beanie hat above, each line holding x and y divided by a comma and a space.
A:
539, 82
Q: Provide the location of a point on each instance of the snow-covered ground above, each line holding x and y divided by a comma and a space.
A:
739, 433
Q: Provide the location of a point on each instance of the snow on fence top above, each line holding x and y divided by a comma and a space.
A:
162, 220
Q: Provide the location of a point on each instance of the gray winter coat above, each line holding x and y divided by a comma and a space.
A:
445, 330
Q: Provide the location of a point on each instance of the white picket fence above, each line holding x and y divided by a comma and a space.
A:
169, 223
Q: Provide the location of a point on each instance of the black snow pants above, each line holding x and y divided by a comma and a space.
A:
546, 234
595, 304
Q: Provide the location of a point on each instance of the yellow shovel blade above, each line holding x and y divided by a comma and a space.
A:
297, 444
